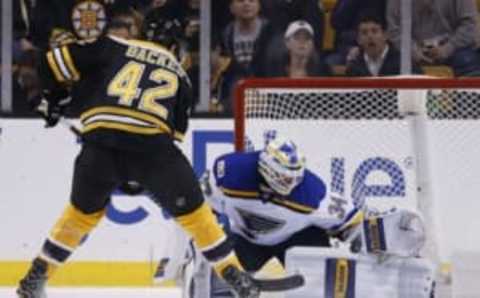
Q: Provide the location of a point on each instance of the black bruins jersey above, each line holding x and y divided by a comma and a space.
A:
141, 93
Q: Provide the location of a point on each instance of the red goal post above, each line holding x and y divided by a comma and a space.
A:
412, 142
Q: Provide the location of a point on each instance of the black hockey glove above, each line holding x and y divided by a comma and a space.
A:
51, 105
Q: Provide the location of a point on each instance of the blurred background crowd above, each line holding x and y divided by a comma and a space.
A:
260, 38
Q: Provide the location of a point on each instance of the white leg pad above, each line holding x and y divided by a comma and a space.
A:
330, 273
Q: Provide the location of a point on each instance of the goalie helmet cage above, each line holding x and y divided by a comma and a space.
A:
391, 141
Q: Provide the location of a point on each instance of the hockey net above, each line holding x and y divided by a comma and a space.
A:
409, 142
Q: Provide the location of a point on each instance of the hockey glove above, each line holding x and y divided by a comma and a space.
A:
51, 105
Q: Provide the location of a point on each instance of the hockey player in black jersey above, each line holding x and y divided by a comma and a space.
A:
139, 105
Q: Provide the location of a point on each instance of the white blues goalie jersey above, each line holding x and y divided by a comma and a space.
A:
264, 217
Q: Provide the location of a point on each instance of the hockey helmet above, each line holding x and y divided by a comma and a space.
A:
164, 30
282, 165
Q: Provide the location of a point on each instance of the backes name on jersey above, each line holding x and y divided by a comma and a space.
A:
155, 57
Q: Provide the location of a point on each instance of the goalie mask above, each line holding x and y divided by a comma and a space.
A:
282, 165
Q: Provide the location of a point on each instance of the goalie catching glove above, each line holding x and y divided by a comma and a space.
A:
396, 232
51, 104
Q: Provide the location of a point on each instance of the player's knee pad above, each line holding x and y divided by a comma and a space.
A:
72, 226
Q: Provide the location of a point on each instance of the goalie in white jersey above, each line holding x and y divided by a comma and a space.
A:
273, 203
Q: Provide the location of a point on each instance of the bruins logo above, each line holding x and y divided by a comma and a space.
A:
89, 19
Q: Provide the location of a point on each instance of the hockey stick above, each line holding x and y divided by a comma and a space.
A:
68, 124
280, 284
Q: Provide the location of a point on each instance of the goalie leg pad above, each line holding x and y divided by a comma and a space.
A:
330, 273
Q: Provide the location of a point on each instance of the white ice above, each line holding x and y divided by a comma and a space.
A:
102, 292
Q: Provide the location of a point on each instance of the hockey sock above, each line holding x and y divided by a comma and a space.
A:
66, 235
210, 238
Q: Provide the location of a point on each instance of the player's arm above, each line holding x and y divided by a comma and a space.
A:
59, 68
183, 108
64, 65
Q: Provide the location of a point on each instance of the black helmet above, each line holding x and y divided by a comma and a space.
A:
166, 31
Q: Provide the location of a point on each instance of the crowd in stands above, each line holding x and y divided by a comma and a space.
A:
263, 38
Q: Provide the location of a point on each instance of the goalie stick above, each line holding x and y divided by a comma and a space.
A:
280, 284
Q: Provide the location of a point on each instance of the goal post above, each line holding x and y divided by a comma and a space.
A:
412, 142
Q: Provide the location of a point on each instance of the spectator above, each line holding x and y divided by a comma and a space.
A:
280, 13
376, 57
345, 18
242, 37
443, 32
301, 59
24, 78
221, 79
126, 24
26, 83
191, 29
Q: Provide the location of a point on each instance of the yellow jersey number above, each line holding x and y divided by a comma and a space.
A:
125, 86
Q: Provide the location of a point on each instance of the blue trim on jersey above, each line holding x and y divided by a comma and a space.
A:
236, 174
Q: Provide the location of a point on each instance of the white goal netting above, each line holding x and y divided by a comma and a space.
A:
362, 141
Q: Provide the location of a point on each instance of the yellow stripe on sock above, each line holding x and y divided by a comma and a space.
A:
202, 225
73, 225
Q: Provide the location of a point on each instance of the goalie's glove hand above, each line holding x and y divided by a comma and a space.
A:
51, 105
